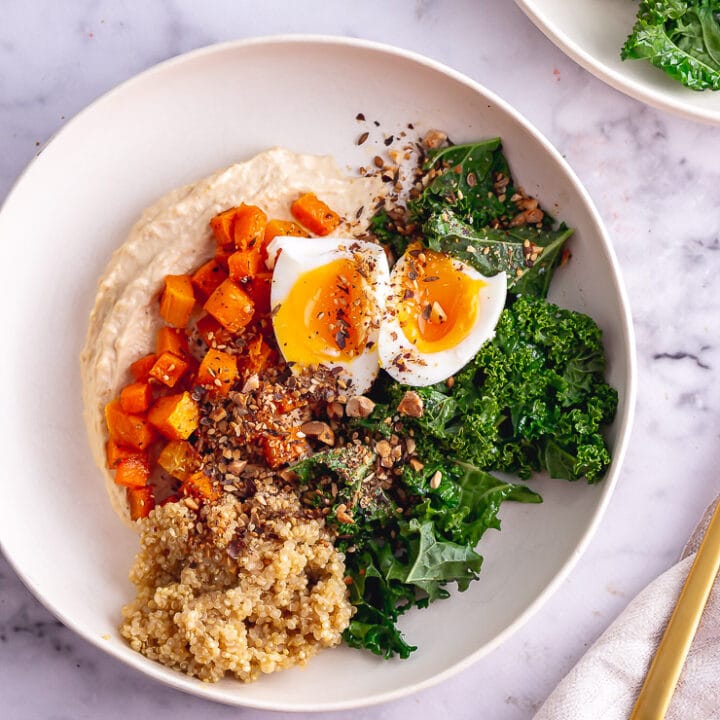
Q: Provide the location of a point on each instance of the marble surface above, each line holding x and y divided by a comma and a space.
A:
656, 182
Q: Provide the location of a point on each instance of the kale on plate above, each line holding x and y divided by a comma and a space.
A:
681, 37
533, 399
471, 208
403, 547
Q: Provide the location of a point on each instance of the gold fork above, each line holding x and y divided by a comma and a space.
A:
657, 690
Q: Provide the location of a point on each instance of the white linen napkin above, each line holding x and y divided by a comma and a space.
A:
605, 682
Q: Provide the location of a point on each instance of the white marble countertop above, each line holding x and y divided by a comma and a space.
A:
656, 182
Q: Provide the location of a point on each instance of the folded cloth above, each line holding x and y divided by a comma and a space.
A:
607, 679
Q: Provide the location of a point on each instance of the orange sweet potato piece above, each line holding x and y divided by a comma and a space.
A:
218, 370
212, 332
259, 289
245, 264
179, 459
222, 226
207, 278
175, 416
174, 340
133, 471
282, 450
283, 228
126, 428
314, 214
140, 369
177, 300
136, 397
200, 486
257, 356
168, 369
140, 502
114, 453
230, 306
249, 228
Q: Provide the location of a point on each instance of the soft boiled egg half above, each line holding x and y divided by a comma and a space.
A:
328, 297
335, 303
439, 313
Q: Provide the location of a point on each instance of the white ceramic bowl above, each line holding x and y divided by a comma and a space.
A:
74, 205
592, 32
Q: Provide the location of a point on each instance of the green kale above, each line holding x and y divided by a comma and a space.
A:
465, 183
398, 560
533, 399
382, 227
491, 250
681, 37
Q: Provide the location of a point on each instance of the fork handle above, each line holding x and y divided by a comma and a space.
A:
657, 690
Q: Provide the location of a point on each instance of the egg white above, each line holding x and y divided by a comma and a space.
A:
405, 363
291, 257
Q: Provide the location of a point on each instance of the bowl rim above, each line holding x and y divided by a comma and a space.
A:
216, 693
617, 80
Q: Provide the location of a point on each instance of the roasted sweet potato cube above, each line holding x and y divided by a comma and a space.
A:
174, 340
314, 214
222, 226
249, 228
208, 277
177, 300
282, 450
175, 416
127, 429
136, 397
133, 471
168, 369
259, 289
218, 371
140, 502
245, 264
283, 228
212, 332
257, 356
231, 306
140, 369
179, 459
114, 453
200, 486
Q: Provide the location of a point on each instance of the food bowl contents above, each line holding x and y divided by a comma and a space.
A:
682, 38
300, 386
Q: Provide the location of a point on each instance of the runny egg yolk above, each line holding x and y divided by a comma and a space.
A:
325, 315
439, 302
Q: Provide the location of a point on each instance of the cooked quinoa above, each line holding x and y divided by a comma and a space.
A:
241, 587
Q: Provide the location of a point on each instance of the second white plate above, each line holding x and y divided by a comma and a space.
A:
592, 32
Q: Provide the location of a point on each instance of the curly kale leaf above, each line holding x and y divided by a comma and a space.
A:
534, 398
681, 37
491, 250
465, 184
396, 561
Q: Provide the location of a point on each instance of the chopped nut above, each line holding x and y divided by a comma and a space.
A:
411, 404
435, 138
410, 446
252, 383
334, 410
343, 515
320, 430
435, 480
437, 313
416, 465
383, 448
534, 216
236, 467
359, 406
